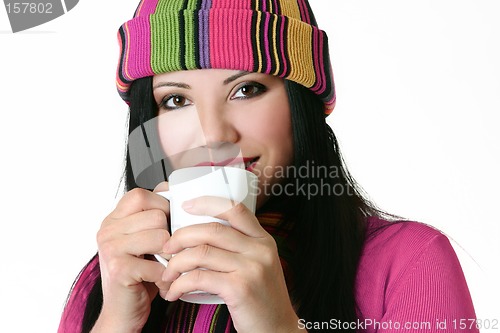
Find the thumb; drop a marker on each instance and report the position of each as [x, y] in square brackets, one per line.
[163, 186]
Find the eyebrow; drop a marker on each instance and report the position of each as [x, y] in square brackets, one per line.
[172, 84]
[234, 77]
[187, 86]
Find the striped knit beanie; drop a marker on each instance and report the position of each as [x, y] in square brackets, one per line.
[276, 37]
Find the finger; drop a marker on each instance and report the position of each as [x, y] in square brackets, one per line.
[143, 242]
[138, 200]
[163, 287]
[132, 270]
[150, 219]
[214, 234]
[150, 271]
[163, 290]
[203, 256]
[208, 281]
[237, 214]
[138, 244]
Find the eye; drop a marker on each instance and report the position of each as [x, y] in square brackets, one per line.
[172, 102]
[249, 90]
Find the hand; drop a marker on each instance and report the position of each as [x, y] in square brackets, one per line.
[242, 266]
[136, 227]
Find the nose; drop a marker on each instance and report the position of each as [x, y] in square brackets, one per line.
[217, 126]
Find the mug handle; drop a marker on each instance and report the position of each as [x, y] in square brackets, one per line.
[167, 195]
[161, 260]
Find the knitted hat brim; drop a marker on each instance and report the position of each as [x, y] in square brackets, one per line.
[236, 39]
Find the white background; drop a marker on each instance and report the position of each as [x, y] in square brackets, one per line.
[417, 117]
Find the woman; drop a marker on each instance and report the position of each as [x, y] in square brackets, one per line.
[318, 256]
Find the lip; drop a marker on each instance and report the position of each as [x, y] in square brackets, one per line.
[248, 162]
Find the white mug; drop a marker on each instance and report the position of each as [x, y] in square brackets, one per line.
[238, 185]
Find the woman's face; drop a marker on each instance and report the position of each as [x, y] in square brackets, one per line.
[221, 117]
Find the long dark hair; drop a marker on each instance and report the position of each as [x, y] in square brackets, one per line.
[328, 231]
[329, 228]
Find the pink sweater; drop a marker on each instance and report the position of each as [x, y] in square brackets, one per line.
[410, 280]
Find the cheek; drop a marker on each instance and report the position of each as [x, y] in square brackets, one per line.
[276, 130]
[278, 137]
[179, 132]
[271, 129]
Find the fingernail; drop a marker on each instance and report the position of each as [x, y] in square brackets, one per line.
[186, 205]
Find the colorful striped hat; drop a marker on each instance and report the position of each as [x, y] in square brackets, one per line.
[276, 37]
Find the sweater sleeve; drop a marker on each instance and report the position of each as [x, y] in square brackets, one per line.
[431, 294]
